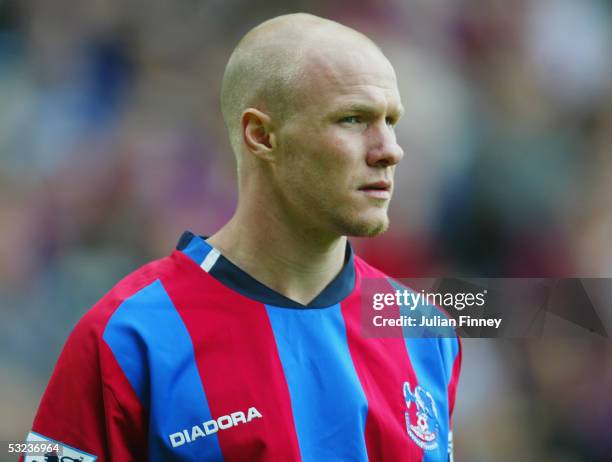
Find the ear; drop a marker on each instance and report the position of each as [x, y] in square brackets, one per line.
[257, 133]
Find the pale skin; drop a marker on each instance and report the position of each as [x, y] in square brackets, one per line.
[322, 174]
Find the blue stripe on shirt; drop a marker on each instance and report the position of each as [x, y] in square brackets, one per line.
[328, 403]
[153, 348]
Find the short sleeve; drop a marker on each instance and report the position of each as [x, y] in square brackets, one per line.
[88, 406]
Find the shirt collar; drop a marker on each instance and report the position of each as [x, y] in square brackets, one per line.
[230, 275]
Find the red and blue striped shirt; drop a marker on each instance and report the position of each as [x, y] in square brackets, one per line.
[191, 359]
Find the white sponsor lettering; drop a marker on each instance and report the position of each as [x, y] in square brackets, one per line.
[210, 427]
[253, 413]
[213, 426]
[177, 439]
[224, 422]
[238, 417]
[196, 432]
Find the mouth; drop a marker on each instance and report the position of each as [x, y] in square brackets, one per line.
[377, 190]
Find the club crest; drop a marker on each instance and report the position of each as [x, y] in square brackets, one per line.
[425, 431]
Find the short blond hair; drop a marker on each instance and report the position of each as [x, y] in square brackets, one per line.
[266, 66]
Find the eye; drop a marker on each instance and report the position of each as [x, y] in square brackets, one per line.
[351, 120]
[390, 121]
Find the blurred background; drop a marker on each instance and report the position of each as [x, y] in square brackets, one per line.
[112, 144]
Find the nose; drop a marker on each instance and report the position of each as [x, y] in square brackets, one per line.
[384, 150]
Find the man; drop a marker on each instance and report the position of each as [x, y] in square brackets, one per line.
[247, 346]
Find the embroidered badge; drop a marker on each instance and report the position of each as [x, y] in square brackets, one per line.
[425, 431]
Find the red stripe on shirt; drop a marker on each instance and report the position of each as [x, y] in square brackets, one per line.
[238, 363]
[382, 366]
[454, 380]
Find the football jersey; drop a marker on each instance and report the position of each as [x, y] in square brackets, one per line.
[190, 358]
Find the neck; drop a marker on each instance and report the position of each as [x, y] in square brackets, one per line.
[295, 262]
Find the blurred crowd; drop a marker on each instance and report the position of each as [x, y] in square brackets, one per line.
[112, 144]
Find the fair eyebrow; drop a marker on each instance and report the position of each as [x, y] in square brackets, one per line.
[367, 108]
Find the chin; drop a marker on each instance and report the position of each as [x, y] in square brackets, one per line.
[366, 228]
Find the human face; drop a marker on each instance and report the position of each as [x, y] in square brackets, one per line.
[339, 148]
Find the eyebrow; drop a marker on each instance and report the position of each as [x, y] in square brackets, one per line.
[367, 108]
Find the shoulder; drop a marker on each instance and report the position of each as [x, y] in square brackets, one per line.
[141, 289]
[111, 340]
[365, 270]
[449, 346]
